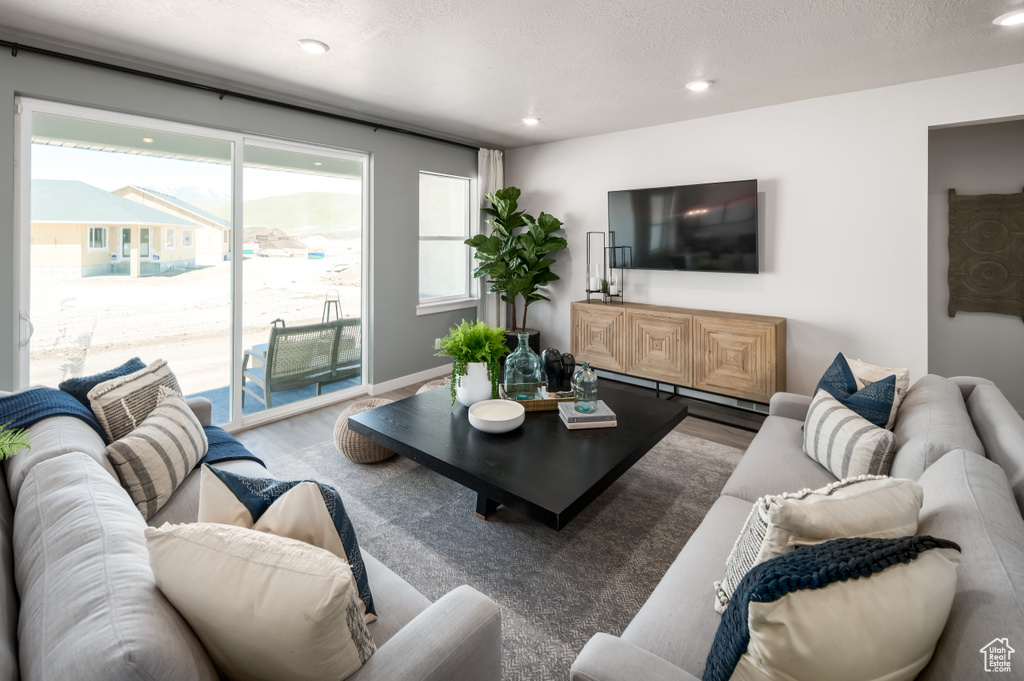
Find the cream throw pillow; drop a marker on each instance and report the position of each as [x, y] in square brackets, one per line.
[266, 608]
[154, 459]
[865, 506]
[122, 404]
[844, 442]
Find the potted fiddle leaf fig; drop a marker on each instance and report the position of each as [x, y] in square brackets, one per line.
[516, 256]
[475, 348]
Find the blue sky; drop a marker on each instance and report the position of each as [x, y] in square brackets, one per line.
[111, 171]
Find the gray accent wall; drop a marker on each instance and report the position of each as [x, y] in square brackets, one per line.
[400, 342]
[974, 159]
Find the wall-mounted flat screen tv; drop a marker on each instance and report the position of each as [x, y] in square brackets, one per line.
[710, 227]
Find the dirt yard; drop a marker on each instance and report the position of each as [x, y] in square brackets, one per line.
[83, 326]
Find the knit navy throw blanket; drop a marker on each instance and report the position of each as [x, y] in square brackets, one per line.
[27, 408]
[808, 567]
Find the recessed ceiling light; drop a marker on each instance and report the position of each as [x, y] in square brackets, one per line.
[147, 140]
[1010, 18]
[698, 85]
[317, 163]
[313, 46]
[531, 120]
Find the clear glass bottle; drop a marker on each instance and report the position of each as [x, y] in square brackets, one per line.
[584, 388]
[524, 372]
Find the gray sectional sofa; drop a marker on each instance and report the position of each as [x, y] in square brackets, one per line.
[964, 444]
[67, 533]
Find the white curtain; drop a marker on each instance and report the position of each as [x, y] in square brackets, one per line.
[491, 169]
[491, 173]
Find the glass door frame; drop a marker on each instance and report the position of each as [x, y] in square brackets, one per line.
[26, 107]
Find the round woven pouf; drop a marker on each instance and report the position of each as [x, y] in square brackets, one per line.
[355, 446]
[437, 383]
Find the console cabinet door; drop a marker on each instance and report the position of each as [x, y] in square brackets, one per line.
[598, 336]
[658, 346]
[734, 357]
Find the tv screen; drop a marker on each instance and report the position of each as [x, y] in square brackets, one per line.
[710, 227]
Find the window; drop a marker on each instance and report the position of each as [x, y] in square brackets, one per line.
[445, 261]
[168, 237]
[186, 238]
[97, 238]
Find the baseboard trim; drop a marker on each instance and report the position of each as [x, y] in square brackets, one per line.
[403, 381]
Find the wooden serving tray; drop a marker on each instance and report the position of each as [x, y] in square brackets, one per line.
[543, 404]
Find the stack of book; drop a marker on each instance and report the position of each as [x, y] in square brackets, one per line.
[602, 417]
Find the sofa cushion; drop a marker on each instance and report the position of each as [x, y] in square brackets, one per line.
[90, 608]
[396, 601]
[844, 442]
[123, 403]
[79, 386]
[155, 458]
[266, 607]
[678, 621]
[50, 438]
[932, 421]
[865, 506]
[774, 463]
[852, 609]
[8, 592]
[967, 499]
[1001, 430]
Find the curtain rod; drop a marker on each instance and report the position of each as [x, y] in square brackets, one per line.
[222, 92]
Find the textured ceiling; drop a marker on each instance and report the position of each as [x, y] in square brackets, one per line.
[472, 69]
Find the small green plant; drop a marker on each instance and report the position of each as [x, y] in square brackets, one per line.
[605, 286]
[12, 441]
[473, 342]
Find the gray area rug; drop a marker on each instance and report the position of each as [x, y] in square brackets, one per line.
[555, 589]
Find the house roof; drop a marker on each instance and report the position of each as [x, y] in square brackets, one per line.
[75, 201]
[184, 205]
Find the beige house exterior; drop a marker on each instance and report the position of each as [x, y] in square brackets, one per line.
[212, 238]
[111, 235]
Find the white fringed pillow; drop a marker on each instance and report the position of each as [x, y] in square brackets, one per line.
[865, 506]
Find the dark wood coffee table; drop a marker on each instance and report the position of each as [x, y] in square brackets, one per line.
[541, 469]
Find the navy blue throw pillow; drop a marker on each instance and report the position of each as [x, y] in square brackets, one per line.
[808, 568]
[873, 402]
[79, 387]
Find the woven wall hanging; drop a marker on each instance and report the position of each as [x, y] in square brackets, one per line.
[986, 253]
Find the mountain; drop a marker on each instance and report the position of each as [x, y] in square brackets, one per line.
[303, 214]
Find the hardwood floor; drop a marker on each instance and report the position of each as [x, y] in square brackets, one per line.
[298, 432]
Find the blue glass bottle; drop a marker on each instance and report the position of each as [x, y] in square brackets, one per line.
[584, 388]
[524, 372]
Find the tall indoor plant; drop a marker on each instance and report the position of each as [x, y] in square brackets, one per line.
[475, 348]
[515, 256]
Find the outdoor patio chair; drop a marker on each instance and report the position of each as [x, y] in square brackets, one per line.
[298, 356]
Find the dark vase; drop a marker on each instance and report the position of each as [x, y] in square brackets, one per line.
[558, 368]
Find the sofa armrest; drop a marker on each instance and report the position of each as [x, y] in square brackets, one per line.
[609, 658]
[790, 405]
[458, 638]
[967, 384]
[202, 408]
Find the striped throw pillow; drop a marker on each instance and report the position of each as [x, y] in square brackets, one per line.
[122, 403]
[844, 442]
[155, 458]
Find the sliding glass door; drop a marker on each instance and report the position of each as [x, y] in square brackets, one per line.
[128, 247]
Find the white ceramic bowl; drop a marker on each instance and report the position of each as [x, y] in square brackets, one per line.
[496, 416]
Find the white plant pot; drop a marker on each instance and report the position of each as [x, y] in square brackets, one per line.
[474, 386]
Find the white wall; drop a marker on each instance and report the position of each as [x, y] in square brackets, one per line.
[976, 159]
[844, 182]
